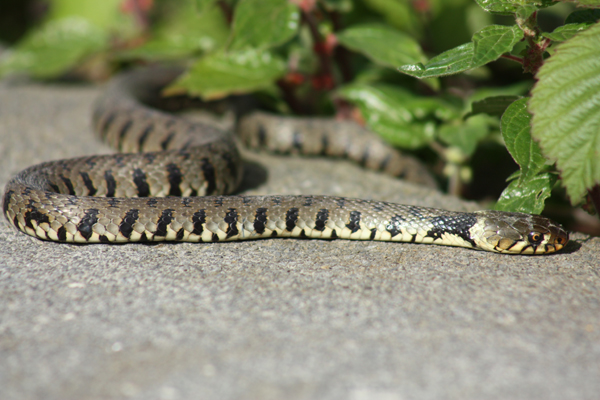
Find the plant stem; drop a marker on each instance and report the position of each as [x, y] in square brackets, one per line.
[341, 54]
[325, 63]
[514, 58]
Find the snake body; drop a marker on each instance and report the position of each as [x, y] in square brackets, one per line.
[172, 180]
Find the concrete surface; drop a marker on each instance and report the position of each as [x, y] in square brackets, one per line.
[281, 319]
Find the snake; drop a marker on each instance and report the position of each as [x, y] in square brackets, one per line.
[174, 179]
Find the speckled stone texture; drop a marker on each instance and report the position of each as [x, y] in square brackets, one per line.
[273, 319]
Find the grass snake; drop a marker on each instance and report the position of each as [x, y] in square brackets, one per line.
[173, 177]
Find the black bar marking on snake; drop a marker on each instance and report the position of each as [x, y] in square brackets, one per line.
[291, 218]
[144, 136]
[62, 234]
[273, 233]
[394, 226]
[334, 234]
[123, 132]
[54, 188]
[107, 123]
[103, 239]
[262, 135]
[373, 233]
[111, 184]
[308, 201]
[199, 218]
[354, 224]
[215, 237]
[365, 157]
[175, 178]
[68, 184]
[180, 234]
[385, 162]
[86, 225]
[87, 181]
[165, 143]
[126, 226]
[152, 202]
[144, 238]
[231, 219]
[260, 219]
[194, 192]
[454, 225]
[297, 141]
[303, 234]
[139, 178]
[324, 143]
[208, 170]
[114, 202]
[321, 220]
[163, 222]
[34, 215]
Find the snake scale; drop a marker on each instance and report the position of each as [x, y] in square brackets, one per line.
[173, 176]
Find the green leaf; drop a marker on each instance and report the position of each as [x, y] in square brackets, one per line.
[261, 24]
[465, 135]
[527, 196]
[393, 113]
[493, 41]
[566, 32]
[55, 48]
[450, 62]
[342, 6]
[184, 32]
[515, 127]
[523, 13]
[398, 13]
[507, 7]
[382, 44]
[203, 5]
[495, 105]
[102, 14]
[220, 74]
[585, 3]
[566, 111]
[583, 16]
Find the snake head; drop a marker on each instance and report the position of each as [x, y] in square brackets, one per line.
[518, 233]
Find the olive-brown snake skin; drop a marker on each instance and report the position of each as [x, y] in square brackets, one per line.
[172, 181]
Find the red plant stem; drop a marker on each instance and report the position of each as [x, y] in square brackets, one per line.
[514, 58]
[290, 98]
[227, 11]
[325, 64]
[341, 54]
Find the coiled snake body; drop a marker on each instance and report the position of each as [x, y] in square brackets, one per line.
[121, 198]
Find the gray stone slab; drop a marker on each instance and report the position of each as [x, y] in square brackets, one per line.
[273, 319]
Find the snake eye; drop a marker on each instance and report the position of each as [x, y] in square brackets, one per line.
[535, 237]
[560, 240]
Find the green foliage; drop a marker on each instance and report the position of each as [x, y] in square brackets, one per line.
[566, 107]
[382, 44]
[336, 54]
[55, 47]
